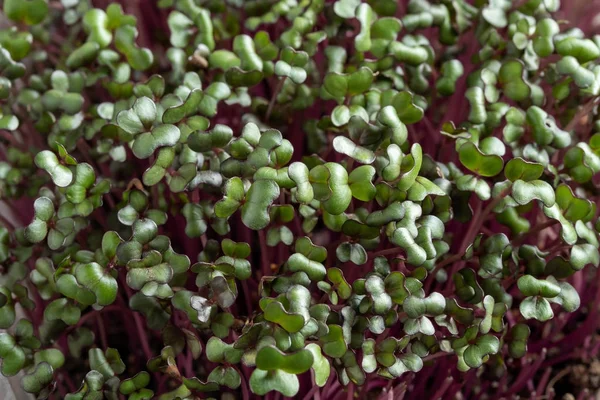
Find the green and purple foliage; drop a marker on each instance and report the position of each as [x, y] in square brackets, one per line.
[321, 199]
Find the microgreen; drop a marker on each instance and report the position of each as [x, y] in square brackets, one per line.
[306, 199]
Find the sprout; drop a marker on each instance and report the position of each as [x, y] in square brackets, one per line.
[369, 192]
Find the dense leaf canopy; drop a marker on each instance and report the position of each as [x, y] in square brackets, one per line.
[278, 195]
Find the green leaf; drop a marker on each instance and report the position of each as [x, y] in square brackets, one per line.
[156, 316]
[134, 387]
[330, 185]
[525, 192]
[270, 358]
[366, 17]
[30, 12]
[99, 281]
[568, 297]
[475, 160]
[530, 286]
[360, 181]
[52, 356]
[61, 175]
[226, 376]
[573, 208]
[260, 196]
[536, 308]
[83, 55]
[413, 55]
[67, 285]
[108, 363]
[299, 173]
[432, 305]
[180, 26]
[451, 71]
[275, 312]
[346, 8]
[38, 379]
[78, 340]
[95, 23]
[568, 232]
[584, 254]
[234, 194]
[342, 114]
[139, 58]
[236, 77]
[333, 344]
[343, 145]
[475, 353]
[13, 356]
[292, 65]
[583, 50]
[353, 252]
[406, 363]
[545, 130]
[245, 48]
[422, 188]
[139, 117]
[520, 169]
[320, 365]
[263, 382]
[471, 183]
[338, 86]
[164, 135]
[512, 79]
[477, 113]
[216, 92]
[62, 309]
[495, 16]
[221, 352]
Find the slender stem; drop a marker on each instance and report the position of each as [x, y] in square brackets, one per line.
[266, 268]
[527, 373]
[15, 212]
[439, 354]
[274, 98]
[440, 392]
[472, 231]
[585, 109]
[61, 387]
[247, 297]
[93, 314]
[474, 228]
[584, 394]
[312, 391]
[387, 252]
[245, 392]
[543, 381]
[558, 248]
[69, 382]
[103, 339]
[85, 151]
[140, 326]
[189, 363]
[11, 139]
[143, 336]
[538, 228]
[6, 223]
